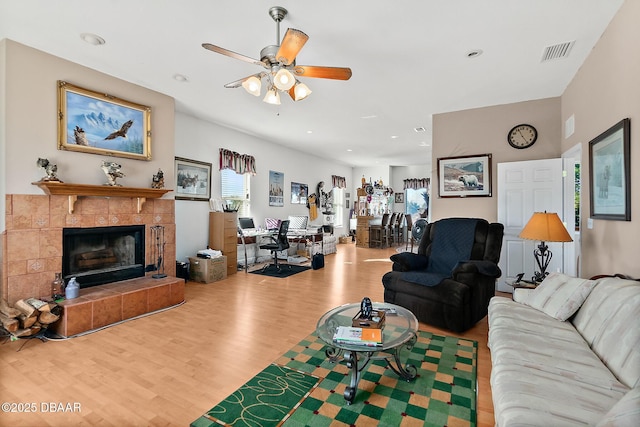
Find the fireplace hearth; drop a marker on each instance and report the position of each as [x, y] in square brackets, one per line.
[99, 255]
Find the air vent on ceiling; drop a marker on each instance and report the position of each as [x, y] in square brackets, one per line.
[557, 51]
[420, 129]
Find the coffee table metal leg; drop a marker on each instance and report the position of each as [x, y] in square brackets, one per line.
[409, 371]
[351, 357]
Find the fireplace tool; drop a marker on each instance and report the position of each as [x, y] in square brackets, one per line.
[157, 250]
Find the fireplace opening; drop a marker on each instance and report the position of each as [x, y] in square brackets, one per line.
[99, 255]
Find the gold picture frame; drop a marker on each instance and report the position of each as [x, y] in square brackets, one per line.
[98, 123]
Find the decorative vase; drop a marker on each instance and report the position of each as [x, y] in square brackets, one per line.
[73, 289]
[56, 287]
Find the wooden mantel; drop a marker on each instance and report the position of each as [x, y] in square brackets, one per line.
[57, 188]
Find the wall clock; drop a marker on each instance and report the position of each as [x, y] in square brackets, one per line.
[522, 136]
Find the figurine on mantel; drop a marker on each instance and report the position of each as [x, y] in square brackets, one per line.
[50, 169]
[112, 171]
[158, 179]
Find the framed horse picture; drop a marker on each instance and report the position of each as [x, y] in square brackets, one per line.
[193, 180]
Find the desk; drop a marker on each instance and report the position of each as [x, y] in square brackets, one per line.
[249, 242]
[302, 236]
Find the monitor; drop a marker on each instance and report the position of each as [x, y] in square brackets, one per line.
[246, 223]
[298, 222]
[272, 224]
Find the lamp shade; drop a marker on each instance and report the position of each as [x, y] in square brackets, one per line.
[545, 227]
[299, 92]
[283, 79]
[252, 85]
[272, 97]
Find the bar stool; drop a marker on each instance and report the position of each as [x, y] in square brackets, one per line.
[391, 229]
[377, 234]
[398, 230]
[409, 222]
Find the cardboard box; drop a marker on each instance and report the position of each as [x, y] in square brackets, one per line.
[207, 270]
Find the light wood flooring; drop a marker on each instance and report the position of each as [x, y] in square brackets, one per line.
[167, 369]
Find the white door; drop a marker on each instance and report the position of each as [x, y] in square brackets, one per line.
[525, 188]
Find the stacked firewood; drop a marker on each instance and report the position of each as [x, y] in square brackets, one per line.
[28, 316]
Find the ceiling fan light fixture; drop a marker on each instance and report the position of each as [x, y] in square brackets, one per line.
[252, 85]
[283, 79]
[299, 92]
[272, 97]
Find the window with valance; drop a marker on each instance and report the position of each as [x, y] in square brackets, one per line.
[239, 163]
[415, 183]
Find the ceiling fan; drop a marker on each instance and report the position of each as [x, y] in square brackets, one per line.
[280, 61]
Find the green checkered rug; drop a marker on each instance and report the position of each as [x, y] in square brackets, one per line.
[304, 388]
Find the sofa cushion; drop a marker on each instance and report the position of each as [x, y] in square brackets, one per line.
[523, 336]
[625, 413]
[560, 296]
[608, 321]
[543, 372]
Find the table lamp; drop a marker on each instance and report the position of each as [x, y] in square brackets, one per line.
[545, 227]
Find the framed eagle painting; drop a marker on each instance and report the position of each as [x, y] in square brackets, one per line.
[98, 123]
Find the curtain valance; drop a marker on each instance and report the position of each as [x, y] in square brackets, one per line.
[338, 181]
[415, 183]
[240, 163]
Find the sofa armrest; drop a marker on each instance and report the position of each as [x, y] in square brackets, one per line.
[485, 268]
[408, 261]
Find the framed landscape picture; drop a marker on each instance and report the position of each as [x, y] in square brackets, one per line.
[464, 176]
[610, 173]
[93, 122]
[193, 179]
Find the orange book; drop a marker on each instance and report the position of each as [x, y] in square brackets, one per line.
[361, 336]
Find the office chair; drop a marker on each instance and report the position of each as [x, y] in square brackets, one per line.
[280, 243]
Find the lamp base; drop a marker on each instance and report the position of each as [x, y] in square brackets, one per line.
[543, 257]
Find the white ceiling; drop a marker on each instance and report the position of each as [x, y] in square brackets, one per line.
[409, 60]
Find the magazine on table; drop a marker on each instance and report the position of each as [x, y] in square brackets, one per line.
[371, 337]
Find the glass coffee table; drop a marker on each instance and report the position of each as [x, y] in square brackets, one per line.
[400, 331]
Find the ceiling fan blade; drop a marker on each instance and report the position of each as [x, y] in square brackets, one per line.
[336, 73]
[231, 54]
[291, 44]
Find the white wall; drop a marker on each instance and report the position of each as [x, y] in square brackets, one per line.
[605, 90]
[30, 88]
[200, 140]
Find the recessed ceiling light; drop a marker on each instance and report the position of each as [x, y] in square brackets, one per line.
[372, 116]
[180, 77]
[309, 131]
[93, 39]
[349, 150]
[424, 144]
[394, 137]
[474, 53]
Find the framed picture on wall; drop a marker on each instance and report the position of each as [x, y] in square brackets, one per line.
[97, 123]
[464, 176]
[193, 179]
[399, 197]
[299, 193]
[610, 173]
[276, 188]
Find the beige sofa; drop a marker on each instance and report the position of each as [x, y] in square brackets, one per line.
[559, 361]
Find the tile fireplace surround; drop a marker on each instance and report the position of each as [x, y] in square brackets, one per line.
[32, 243]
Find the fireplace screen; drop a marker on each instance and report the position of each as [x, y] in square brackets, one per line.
[99, 255]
